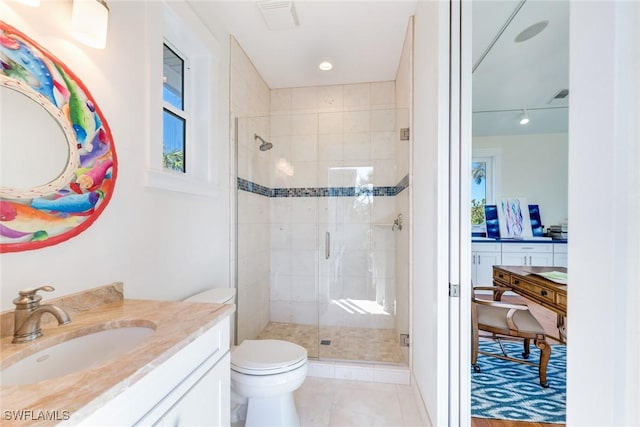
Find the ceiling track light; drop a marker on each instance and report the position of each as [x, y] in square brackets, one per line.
[524, 117]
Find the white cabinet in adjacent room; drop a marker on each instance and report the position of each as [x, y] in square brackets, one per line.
[483, 257]
[532, 254]
[560, 255]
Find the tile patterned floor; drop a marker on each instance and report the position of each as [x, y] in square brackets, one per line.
[323, 402]
[346, 343]
[340, 403]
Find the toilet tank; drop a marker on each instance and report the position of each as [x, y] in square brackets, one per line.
[218, 296]
[214, 295]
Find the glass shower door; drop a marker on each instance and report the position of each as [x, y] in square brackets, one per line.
[356, 288]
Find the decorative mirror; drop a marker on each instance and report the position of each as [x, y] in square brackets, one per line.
[58, 163]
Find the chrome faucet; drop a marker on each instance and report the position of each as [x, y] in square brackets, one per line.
[26, 324]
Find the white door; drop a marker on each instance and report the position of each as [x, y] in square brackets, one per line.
[460, 217]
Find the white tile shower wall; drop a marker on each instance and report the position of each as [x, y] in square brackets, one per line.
[254, 251]
[333, 126]
[250, 103]
[332, 136]
[383, 266]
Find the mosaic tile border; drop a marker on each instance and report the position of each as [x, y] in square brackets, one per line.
[252, 187]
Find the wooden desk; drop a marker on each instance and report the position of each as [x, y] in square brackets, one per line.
[524, 282]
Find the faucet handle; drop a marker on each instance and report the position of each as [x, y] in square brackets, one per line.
[30, 296]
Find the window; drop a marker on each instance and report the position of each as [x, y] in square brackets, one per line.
[482, 184]
[174, 118]
[185, 86]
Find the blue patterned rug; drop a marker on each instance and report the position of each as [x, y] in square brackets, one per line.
[507, 390]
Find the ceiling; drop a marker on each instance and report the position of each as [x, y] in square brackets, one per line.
[363, 39]
[517, 75]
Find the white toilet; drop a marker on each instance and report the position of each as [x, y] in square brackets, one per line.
[264, 374]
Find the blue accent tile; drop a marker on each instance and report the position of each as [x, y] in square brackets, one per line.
[366, 190]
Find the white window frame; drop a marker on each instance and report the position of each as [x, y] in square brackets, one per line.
[491, 157]
[183, 113]
[198, 177]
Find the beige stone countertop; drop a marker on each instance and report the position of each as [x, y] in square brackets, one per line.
[176, 325]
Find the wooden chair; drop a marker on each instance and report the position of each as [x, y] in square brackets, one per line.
[509, 320]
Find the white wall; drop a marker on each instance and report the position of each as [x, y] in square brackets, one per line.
[161, 244]
[532, 166]
[603, 376]
[429, 260]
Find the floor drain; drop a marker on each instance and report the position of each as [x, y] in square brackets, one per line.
[325, 342]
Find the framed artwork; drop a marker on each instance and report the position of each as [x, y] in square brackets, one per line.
[536, 223]
[491, 221]
[513, 218]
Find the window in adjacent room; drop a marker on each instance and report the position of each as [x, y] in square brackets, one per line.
[174, 116]
[481, 190]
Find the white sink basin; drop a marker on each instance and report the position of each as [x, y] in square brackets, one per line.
[74, 355]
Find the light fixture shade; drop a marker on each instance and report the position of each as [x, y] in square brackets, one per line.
[524, 117]
[32, 3]
[89, 20]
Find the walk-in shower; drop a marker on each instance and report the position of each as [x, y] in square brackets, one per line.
[320, 261]
[322, 258]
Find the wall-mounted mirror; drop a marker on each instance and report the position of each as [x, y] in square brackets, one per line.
[58, 163]
[41, 153]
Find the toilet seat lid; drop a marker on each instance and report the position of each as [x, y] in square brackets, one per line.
[265, 357]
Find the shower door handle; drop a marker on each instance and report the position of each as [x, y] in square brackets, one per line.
[327, 245]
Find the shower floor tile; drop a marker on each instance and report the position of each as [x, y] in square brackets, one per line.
[346, 343]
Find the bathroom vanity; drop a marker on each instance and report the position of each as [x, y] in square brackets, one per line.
[178, 374]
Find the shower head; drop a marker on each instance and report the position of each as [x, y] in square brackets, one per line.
[265, 145]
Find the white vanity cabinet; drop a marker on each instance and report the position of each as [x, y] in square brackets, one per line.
[560, 255]
[527, 254]
[190, 387]
[198, 406]
[483, 257]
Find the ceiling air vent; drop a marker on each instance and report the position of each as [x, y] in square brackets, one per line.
[278, 14]
[560, 96]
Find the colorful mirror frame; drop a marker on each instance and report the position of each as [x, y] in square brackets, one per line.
[48, 214]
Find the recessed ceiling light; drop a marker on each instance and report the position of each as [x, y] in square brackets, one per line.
[325, 65]
[532, 31]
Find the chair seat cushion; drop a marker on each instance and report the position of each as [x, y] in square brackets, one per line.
[496, 317]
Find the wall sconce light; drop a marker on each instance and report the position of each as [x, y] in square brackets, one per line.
[524, 117]
[31, 3]
[89, 20]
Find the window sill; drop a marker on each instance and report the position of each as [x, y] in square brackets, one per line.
[478, 228]
[183, 184]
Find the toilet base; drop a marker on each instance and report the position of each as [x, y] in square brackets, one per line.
[278, 411]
